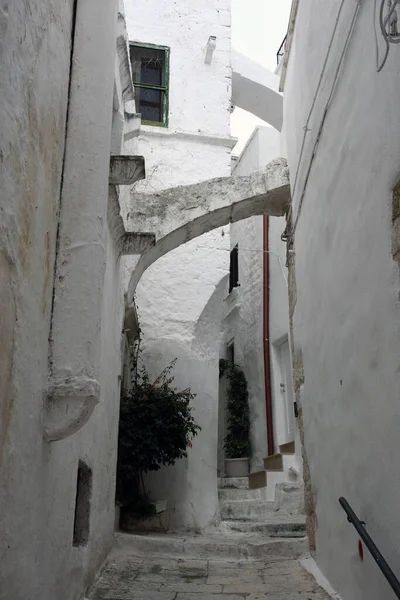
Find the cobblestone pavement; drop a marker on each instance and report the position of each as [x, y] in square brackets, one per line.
[145, 578]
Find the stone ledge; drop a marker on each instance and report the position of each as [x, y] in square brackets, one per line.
[69, 405]
[126, 169]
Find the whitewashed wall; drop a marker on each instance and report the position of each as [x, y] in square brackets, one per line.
[38, 479]
[346, 319]
[245, 324]
[174, 292]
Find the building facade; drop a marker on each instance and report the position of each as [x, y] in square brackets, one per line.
[256, 324]
[341, 128]
[61, 236]
[188, 144]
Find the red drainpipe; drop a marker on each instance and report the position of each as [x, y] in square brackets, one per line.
[267, 368]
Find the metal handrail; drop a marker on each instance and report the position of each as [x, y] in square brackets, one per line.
[281, 50]
[366, 538]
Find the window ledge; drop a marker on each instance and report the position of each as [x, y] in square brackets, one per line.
[202, 138]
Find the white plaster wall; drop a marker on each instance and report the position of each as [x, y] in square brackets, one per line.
[37, 479]
[173, 292]
[190, 487]
[347, 311]
[255, 89]
[31, 141]
[245, 324]
[199, 99]
[67, 570]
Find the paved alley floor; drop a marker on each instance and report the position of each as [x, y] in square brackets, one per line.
[155, 578]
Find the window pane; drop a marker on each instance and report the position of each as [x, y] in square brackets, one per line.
[148, 65]
[151, 73]
[150, 96]
[150, 104]
[151, 113]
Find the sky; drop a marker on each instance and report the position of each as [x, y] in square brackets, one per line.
[258, 28]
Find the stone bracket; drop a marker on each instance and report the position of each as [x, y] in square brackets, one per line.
[69, 405]
[126, 169]
[133, 123]
[137, 242]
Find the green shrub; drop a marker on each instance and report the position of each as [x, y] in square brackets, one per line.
[237, 442]
[156, 428]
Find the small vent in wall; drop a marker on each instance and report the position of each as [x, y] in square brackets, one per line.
[82, 505]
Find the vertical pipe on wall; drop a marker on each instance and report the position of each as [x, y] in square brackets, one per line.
[267, 368]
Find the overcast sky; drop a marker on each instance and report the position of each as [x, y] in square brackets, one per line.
[258, 28]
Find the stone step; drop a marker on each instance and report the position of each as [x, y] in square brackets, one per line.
[287, 448]
[238, 494]
[289, 497]
[258, 479]
[285, 526]
[233, 482]
[245, 509]
[235, 546]
[273, 463]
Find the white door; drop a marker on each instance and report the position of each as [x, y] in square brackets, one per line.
[287, 391]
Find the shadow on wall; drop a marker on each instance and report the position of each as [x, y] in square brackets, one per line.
[190, 486]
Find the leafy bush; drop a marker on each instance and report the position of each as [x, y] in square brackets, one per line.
[156, 428]
[237, 442]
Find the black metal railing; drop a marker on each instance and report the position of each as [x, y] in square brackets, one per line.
[281, 51]
[366, 538]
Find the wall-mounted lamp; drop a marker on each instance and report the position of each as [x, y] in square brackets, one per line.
[211, 45]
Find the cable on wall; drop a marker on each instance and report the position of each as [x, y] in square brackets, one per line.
[321, 126]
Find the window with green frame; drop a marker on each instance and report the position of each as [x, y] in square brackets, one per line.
[150, 73]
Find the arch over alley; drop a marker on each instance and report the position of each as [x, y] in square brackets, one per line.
[178, 215]
[256, 89]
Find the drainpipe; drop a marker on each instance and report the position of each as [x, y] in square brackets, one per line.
[267, 368]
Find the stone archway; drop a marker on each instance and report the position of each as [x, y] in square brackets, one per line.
[178, 215]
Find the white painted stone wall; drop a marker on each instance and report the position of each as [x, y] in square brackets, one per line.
[174, 292]
[245, 324]
[346, 318]
[38, 479]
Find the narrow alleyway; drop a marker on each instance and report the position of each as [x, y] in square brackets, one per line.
[128, 576]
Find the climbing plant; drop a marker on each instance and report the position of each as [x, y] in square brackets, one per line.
[156, 428]
[237, 442]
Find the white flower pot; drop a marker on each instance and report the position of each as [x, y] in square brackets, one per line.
[237, 467]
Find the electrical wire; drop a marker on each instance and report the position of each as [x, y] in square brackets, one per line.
[321, 125]
[306, 128]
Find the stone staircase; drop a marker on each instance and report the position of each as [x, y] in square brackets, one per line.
[251, 528]
[255, 524]
[280, 479]
[247, 511]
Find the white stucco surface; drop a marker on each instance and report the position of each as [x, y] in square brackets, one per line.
[199, 98]
[178, 215]
[39, 479]
[346, 318]
[245, 325]
[256, 90]
[174, 291]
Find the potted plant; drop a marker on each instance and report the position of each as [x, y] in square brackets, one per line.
[237, 442]
[156, 428]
